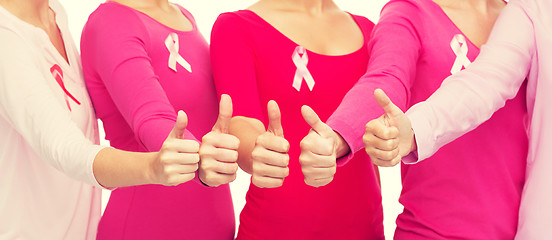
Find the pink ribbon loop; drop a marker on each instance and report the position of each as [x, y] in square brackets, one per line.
[172, 44]
[301, 59]
[57, 73]
[460, 49]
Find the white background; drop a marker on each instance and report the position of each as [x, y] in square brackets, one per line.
[205, 13]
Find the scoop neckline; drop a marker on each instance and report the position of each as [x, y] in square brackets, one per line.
[363, 47]
[194, 27]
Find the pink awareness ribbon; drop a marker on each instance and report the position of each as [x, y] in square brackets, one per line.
[172, 44]
[300, 59]
[57, 73]
[460, 49]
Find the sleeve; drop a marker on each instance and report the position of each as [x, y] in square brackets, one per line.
[394, 50]
[29, 105]
[113, 46]
[471, 96]
[233, 61]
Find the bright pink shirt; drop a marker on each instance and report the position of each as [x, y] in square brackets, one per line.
[136, 94]
[252, 61]
[519, 47]
[471, 188]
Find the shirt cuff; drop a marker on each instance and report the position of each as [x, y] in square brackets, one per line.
[422, 133]
[346, 132]
[94, 150]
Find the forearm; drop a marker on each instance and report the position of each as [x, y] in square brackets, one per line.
[246, 130]
[116, 168]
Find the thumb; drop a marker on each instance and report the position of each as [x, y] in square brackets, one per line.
[274, 119]
[391, 110]
[179, 126]
[225, 114]
[315, 123]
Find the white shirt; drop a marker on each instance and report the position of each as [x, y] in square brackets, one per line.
[47, 186]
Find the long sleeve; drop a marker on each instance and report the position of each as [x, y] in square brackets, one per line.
[116, 50]
[470, 97]
[233, 63]
[395, 47]
[30, 106]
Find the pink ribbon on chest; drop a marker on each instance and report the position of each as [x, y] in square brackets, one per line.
[300, 59]
[172, 44]
[57, 73]
[460, 48]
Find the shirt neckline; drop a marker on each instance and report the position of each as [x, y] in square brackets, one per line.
[363, 47]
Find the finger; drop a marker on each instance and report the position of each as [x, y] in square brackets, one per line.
[265, 170]
[381, 154]
[317, 161]
[273, 143]
[378, 143]
[225, 168]
[270, 157]
[225, 155]
[318, 182]
[385, 163]
[225, 114]
[315, 123]
[181, 169]
[179, 179]
[383, 100]
[181, 145]
[221, 140]
[267, 182]
[274, 119]
[179, 126]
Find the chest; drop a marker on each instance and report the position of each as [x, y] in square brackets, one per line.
[283, 74]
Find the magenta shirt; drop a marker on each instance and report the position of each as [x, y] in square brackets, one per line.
[471, 188]
[136, 94]
[252, 61]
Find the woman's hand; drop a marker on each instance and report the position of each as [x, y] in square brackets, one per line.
[270, 157]
[178, 159]
[219, 150]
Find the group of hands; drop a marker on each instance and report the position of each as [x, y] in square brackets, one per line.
[387, 139]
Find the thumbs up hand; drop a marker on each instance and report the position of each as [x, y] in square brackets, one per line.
[318, 151]
[270, 157]
[178, 158]
[390, 137]
[219, 150]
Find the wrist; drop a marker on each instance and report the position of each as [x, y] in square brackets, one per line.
[149, 169]
[342, 148]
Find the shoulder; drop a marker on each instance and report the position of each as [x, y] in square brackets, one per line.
[234, 22]
[363, 22]
[240, 17]
[405, 7]
[14, 45]
[113, 18]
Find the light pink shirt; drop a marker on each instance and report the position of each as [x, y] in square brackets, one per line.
[519, 47]
[46, 138]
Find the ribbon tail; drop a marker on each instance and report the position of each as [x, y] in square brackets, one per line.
[184, 63]
[297, 80]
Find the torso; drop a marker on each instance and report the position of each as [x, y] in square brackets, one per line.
[293, 210]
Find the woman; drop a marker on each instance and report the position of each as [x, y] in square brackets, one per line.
[415, 45]
[51, 171]
[296, 52]
[143, 60]
[518, 48]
